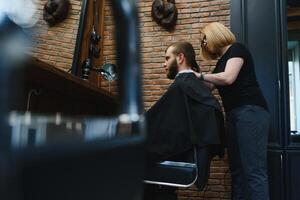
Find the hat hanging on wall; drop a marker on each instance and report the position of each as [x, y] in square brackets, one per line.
[56, 11]
[164, 13]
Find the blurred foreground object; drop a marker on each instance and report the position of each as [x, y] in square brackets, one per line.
[14, 44]
[21, 12]
[77, 166]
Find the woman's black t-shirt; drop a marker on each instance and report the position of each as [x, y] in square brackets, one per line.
[245, 89]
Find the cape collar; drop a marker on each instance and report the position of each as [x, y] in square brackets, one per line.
[184, 71]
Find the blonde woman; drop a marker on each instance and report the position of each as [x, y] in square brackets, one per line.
[246, 110]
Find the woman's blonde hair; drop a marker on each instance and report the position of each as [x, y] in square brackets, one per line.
[214, 37]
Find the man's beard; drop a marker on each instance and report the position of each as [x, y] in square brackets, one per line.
[173, 70]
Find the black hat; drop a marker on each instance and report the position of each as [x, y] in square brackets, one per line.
[164, 13]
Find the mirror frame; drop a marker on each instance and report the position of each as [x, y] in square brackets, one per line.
[79, 38]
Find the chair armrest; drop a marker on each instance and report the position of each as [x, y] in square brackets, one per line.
[171, 173]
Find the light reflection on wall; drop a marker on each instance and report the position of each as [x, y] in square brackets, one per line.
[293, 28]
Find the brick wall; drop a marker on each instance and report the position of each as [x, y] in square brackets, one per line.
[55, 45]
[192, 15]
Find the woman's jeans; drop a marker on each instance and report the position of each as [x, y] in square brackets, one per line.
[248, 129]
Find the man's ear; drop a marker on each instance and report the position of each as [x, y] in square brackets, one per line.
[180, 58]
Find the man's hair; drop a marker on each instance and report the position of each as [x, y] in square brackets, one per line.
[188, 51]
[215, 36]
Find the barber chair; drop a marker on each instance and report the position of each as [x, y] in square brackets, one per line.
[73, 168]
[195, 170]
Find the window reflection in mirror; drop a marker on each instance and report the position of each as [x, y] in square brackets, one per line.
[293, 27]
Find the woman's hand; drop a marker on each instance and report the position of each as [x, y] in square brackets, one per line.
[200, 75]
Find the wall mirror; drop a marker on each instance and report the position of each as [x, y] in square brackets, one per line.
[89, 42]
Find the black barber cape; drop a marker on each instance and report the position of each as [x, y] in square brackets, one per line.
[186, 115]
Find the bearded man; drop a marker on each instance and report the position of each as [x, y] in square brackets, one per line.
[187, 115]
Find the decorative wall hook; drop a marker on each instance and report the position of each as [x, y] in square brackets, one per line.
[164, 13]
[56, 11]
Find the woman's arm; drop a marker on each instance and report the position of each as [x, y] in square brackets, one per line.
[232, 69]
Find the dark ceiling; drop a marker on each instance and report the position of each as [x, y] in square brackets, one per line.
[294, 3]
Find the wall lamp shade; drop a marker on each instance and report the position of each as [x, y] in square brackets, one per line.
[109, 72]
